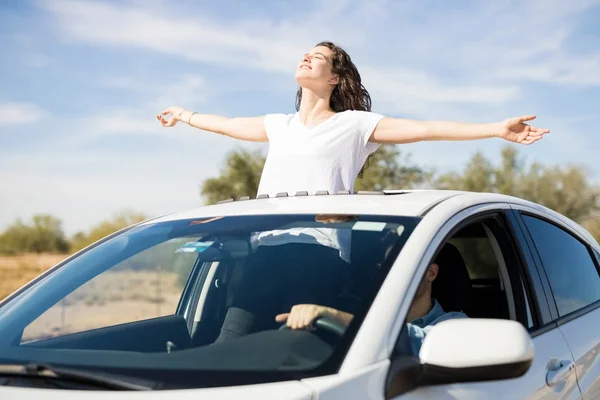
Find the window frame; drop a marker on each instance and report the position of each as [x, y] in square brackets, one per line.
[539, 288]
[529, 279]
[529, 275]
[521, 279]
[596, 254]
[557, 319]
[525, 278]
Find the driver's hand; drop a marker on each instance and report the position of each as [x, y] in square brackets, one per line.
[302, 316]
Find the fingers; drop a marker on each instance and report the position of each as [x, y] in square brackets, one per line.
[531, 135]
[539, 131]
[531, 139]
[297, 318]
[164, 122]
[301, 316]
[523, 135]
[527, 118]
[281, 318]
[536, 132]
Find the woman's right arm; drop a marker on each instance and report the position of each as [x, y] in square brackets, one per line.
[251, 129]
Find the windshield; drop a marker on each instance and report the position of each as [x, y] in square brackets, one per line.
[191, 301]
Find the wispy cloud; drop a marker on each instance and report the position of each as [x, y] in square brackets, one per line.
[516, 41]
[139, 120]
[579, 71]
[104, 69]
[14, 113]
[417, 93]
[264, 45]
[252, 43]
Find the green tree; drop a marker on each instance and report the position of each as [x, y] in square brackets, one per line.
[43, 235]
[478, 176]
[14, 239]
[240, 177]
[105, 228]
[592, 224]
[48, 235]
[565, 189]
[387, 169]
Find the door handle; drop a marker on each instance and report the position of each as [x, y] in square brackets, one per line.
[559, 371]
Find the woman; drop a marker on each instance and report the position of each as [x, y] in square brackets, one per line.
[323, 146]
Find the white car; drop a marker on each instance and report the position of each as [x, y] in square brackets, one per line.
[136, 315]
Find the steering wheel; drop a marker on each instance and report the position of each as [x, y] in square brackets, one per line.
[324, 324]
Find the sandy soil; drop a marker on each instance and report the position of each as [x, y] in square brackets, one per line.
[16, 271]
[110, 299]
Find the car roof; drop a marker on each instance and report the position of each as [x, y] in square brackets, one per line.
[386, 202]
[407, 203]
[411, 203]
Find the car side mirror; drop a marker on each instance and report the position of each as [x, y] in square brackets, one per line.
[465, 350]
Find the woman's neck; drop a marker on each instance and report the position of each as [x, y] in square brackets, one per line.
[314, 108]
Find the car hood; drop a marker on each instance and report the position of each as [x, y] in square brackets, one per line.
[292, 390]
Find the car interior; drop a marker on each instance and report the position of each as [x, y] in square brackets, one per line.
[474, 276]
[368, 254]
[210, 302]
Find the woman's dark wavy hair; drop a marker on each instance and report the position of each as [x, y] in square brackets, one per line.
[349, 93]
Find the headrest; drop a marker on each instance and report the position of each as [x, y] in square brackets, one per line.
[452, 286]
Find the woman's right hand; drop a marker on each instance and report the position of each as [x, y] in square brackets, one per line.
[173, 116]
[251, 129]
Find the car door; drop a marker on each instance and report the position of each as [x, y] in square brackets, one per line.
[571, 271]
[546, 378]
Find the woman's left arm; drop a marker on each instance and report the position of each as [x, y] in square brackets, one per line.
[398, 131]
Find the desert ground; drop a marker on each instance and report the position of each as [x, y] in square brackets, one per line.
[109, 299]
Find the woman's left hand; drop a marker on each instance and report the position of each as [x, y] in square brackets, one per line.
[517, 131]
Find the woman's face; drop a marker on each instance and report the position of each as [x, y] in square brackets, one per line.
[314, 70]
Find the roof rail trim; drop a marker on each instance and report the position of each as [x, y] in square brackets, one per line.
[304, 193]
[225, 201]
[431, 206]
[371, 192]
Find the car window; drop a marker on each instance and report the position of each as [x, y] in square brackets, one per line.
[478, 255]
[220, 286]
[498, 286]
[572, 273]
[146, 285]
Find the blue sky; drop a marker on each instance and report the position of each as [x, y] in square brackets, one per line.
[81, 82]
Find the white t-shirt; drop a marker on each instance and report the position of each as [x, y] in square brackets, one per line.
[328, 156]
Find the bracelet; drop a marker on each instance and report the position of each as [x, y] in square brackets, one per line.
[190, 118]
[181, 113]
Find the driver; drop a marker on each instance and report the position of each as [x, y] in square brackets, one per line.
[424, 313]
[293, 270]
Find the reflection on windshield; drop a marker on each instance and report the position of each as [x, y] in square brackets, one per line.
[206, 292]
[139, 288]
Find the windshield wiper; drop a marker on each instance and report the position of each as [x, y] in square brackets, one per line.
[105, 381]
